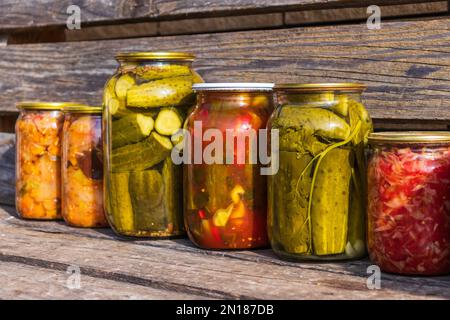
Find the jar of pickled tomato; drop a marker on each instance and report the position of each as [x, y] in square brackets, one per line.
[409, 202]
[225, 195]
[38, 158]
[82, 167]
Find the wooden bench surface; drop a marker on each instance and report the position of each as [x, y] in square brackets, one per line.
[35, 256]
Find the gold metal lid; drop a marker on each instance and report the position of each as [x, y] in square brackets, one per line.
[40, 105]
[83, 109]
[156, 55]
[405, 137]
[313, 87]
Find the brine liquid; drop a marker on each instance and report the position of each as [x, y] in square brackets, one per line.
[225, 206]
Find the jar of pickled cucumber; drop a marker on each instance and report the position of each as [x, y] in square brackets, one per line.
[225, 191]
[82, 167]
[409, 202]
[145, 104]
[38, 160]
[317, 197]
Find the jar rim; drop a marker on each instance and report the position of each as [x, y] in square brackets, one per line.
[42, 105]
[314, 87]
[83, 109]
[154, 55]
[408, 137]
[233, 86]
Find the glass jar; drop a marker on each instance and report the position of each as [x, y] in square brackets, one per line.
[409, 202]
[38, 158]
[317, 197]
[225, 193]
[82, 167]
[146, 102]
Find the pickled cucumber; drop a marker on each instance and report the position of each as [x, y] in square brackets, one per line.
[168, 92]
[291, 226]
[147, 191]
[341, 106]
[172, 176]
[168, 122]
[149, 73]
[131, 129]
[356, 223]
[123, 84]
[115, 107]
[120, 202]
[321, 121]
[145, 154]
[358, 112]
[109, 92]
[330, 202]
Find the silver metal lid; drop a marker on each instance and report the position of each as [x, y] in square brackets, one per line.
[233, 86]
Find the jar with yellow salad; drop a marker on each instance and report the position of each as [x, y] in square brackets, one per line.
[38, 158]
[145, 103]
[317, 198]
[82, 167]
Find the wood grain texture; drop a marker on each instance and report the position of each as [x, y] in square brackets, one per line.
[22, 281]
[208, 23]
[360, 13]
[41, 13]
[7, 168]
[178, 267]
[405, 64]
[8, 122]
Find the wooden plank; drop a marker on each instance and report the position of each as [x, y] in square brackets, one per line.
[8, 122]
[126, 30]
[21, 281]
[7, 168]
[175, 265]
[209, 25]
[360, 13]
[50, 13]
[405, 64]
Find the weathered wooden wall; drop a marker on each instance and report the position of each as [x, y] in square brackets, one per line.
[406, 64]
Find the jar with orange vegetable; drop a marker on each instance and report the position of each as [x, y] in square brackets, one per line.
[82, 167]
[38, 158]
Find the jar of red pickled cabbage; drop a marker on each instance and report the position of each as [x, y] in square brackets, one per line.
[409, 202]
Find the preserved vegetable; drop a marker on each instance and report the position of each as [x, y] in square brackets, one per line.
[82, 170]
[146, 103]
[38, 188]
[225, 202]
[316, 200]
[409, 202]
